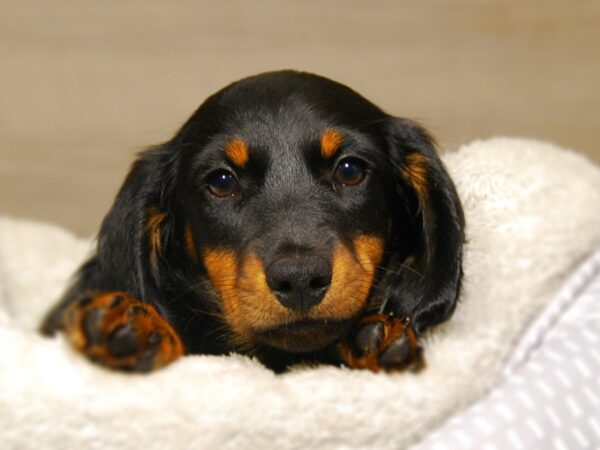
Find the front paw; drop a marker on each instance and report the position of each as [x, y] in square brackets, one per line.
[383, 342]
[120, 332]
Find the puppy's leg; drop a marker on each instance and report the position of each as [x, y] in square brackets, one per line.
[383, 342]
[117, 331]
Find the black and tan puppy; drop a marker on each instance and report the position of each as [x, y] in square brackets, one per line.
[289, 219]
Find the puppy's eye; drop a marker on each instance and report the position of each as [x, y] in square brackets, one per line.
[222, 183]
[350, 172]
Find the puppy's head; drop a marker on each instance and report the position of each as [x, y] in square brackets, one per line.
[289, 198]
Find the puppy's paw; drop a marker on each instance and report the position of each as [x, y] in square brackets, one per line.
[383, 342]
[120, 332]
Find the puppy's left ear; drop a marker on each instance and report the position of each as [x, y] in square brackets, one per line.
[428, 232]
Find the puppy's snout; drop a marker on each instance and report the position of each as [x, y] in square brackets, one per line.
[299, 282]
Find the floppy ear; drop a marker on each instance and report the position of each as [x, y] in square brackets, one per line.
[137, 231]
[134, 235]
[428, 232]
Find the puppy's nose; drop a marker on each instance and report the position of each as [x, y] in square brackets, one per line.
[299, 282]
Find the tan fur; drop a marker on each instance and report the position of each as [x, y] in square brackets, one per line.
[331, 141]
[258, 305]
[237, 152]
[221, 265]
[190, 245]
[353, 273]
[416, 173]
[153, 224]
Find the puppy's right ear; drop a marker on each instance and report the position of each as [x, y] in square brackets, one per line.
[136, 230]
[132, 238]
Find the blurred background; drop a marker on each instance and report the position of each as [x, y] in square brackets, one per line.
[85, 85]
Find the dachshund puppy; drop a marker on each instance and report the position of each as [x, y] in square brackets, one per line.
[289, 219]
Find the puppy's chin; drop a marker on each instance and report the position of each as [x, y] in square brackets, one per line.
[303, 336]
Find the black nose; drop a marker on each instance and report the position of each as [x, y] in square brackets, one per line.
[299, 282]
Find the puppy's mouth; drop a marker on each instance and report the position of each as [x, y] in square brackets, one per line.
[303, 335]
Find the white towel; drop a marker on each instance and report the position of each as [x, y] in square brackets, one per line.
[533, 213]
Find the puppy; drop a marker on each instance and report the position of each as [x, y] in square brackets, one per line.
[289, 219]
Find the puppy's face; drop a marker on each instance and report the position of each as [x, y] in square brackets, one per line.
[285, 187]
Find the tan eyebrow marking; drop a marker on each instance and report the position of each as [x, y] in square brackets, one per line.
[237, 152]
[331, 141]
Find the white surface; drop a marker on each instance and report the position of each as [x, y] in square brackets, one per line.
[532, 217]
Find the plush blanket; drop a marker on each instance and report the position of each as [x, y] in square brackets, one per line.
[532, 215]
[548, 396]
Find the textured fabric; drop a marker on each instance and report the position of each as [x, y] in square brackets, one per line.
[549, 394]
[530, 224]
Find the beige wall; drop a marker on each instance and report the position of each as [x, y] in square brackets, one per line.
[84, 85]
